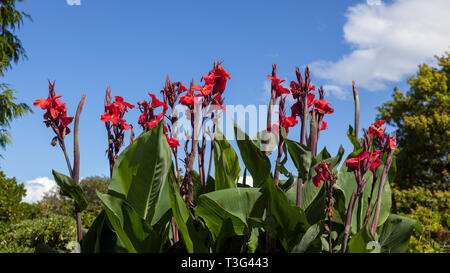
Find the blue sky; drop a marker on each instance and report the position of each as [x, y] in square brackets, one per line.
[133, 45]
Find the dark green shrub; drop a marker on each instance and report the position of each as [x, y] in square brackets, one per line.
[55, 231]
[432, 209]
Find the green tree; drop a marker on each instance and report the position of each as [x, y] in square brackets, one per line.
[11, 207]
[11, 51]
[54, 202]
[423, 133]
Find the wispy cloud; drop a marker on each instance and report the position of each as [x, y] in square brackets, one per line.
[36, 189]
[388, 41]
[336, 91]
[73, 2]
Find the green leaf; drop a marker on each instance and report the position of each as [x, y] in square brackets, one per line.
[301, 156]
[99, 238]
[315, 212]
[361, 242]
[180, 212]
[255, 160]
[310, 235]
[143, 171]
[71, 189]
[396, 233]
[287, 220]
[226, 162]
[235, 204]
[134, 231]
[266, 141]
[352, 138]
[191, 238]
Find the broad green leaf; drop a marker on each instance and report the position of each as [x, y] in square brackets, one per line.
[315, 212]
[135, 232]
[396, 233]
[255, 160]
[361, 242]
[71, 189]
[301, 156]
[287, 220]
[266, 141]
[235, 204]
[99, 238]
[180, 212]
[226, 162]
[191, 238]
[310, 235]
[143, 170]
[309, 190]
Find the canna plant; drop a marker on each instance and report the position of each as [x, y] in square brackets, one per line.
[328, 204]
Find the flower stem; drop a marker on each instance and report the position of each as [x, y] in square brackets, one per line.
[348, 222]
[380, 190]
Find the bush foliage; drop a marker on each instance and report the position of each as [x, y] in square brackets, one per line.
[55, 231]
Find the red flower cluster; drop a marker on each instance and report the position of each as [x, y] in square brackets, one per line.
[376, 131]
[322, 173]
[322, 107]
[364, 160]
[115, 111]
[147, 119]
[211, 91]
[297, 89]
[287, 122]
[56, 115]
[279, 89]
[298, 105]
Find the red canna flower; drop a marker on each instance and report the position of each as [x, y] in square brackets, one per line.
[56, 115]
[187, 100]
[115, 111]
[147, 119]
[206, 90]
[217, 78]
[323, 107]
[375, 130]
[157, 103]
[287, 122]
[362, 160]
[173, 142]
[323, 126]
[279, 90]
[322, 173]
[391, 142]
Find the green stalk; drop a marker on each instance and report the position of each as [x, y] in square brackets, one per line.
[356, 98]
[76, 166]
[380, 190]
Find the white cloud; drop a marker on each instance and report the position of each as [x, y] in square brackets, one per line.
[389, 41]
[73, 2]
[336, 91]
[374, 2]
[36, 189]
